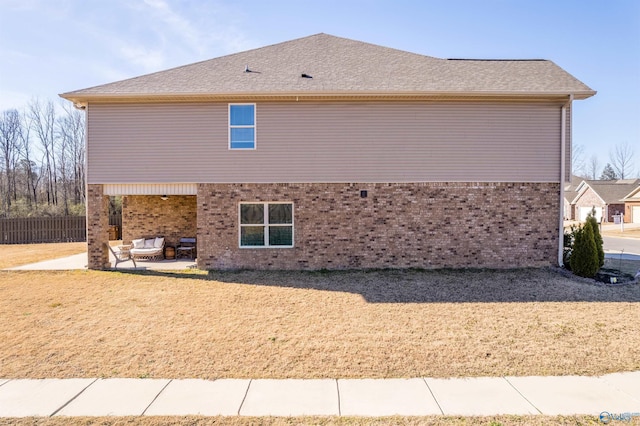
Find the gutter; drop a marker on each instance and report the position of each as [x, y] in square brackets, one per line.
[81, 98]
[563, 156]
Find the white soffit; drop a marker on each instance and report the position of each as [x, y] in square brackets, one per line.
[150, 189]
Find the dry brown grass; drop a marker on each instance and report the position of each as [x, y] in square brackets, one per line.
[329, 421]
[313, 325]
[21, 254]
[627, 233]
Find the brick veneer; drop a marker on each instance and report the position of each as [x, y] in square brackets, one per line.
[149, 216]
[97, 227]
[428, 225]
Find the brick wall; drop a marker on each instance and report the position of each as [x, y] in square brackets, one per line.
[149, 216]
[97, 227]
[426, 225]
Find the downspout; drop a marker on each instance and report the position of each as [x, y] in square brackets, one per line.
[563, 156]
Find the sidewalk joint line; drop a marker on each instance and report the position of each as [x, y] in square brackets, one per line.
[72, 399]
[424, 379]
[7, 381]
[245, 396]
[525, 398]
[339, 405]
[156, 397]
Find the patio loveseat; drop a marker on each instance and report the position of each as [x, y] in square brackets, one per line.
[148, 248]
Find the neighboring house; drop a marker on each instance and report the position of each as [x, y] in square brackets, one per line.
[632, 206]
[570, 193]
[324, 152]
[603, 196]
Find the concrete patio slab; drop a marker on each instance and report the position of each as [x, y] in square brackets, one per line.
[79, 261]
[478, 396]
[568, 395]
[200, 397]
[386, 397]
[291, 397]
[115, 397]
[38, 397]
[628, 383]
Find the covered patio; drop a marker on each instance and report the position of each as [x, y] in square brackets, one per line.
[148, 211]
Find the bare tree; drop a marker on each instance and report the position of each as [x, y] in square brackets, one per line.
[10, 128]
[28, 167]
[577, 160]
[593, 165]
[622, 160]
[43, 122]
[72, 153]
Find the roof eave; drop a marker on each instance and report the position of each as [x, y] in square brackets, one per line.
[629, 196]
[81, 99]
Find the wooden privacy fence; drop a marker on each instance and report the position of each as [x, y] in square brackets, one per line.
[51, 229]
[43, 229]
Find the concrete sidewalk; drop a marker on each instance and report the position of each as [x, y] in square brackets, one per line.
[612, 394]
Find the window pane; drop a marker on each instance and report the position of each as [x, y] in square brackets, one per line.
[251, 214]
[280, 235]
[242, 138]
[252, 235]
[280, 213]
[241, 115]
[242, 145]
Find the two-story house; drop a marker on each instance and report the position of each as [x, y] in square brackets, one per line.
[324, 152]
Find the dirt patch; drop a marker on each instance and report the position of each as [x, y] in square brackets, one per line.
[314, 324]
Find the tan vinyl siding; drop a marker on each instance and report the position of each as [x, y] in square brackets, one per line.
[568, 172]
[327, 142]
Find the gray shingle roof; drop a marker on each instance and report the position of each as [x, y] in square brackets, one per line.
[342, 66]
[613, 191]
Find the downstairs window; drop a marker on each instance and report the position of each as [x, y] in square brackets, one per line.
[266, 225]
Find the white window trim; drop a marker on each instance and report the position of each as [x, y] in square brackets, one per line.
[254, 127]
[266, 224]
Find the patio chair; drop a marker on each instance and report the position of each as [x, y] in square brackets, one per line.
[122, 254]
[186, 247]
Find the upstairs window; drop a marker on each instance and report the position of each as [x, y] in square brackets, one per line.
[242, 126]
[266, 225]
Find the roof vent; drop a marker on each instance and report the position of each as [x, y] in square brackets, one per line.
[304, 75]
[246, 68]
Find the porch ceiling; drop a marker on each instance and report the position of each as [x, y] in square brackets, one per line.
[150, 189]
